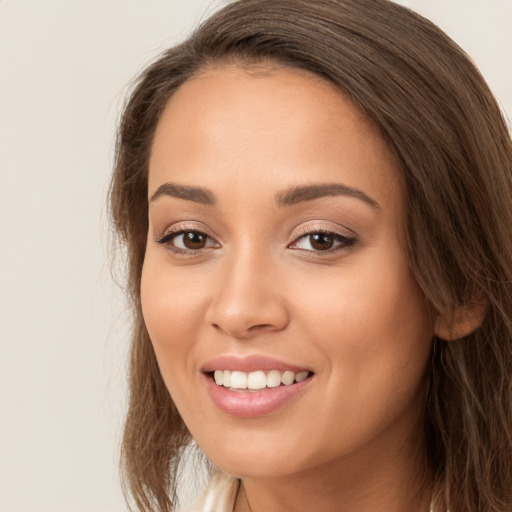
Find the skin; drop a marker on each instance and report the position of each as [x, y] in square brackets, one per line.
[353, 315]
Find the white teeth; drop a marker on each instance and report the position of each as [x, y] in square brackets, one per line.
[257, 380]
[238, 380]
[301, 376]
[273, 379]
[219, 377]
[288, 378]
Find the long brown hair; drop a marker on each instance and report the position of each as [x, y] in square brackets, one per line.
[436, 112]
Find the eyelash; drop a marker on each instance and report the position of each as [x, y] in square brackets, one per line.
[169, 237]
[344, 242]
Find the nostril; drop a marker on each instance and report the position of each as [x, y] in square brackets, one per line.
[241, 313]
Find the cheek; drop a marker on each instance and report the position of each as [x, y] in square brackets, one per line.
[362, 300]
[173, 311]
[372, 325]
[375, 337]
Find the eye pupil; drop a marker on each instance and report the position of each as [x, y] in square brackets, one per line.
[321, 241]
[194, 240]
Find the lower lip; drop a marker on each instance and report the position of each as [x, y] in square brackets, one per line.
[251, 404]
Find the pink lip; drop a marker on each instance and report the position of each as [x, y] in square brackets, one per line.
[251, 404]
[249, 364]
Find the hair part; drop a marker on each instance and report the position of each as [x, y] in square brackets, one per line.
[437, 114]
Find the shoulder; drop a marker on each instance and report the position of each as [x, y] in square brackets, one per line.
[219, 496]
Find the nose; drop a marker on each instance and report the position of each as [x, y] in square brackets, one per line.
[249, 299]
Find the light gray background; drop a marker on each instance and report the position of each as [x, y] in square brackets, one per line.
[64, 65]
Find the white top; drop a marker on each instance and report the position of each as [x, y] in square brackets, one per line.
[220, 495]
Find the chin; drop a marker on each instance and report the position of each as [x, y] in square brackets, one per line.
[253, 456]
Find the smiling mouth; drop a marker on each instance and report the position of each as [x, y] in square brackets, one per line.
[257, 380]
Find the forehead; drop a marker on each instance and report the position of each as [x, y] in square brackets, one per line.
[284, 126]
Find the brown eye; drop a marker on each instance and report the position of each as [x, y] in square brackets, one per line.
[321, 241]
[187, 241]
[193, 240]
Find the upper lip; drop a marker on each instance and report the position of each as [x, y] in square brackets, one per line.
[250, 364]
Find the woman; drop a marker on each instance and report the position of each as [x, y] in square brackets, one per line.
[316, 203]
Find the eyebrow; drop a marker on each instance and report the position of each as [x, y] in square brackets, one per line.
[315, 191]
[287, 197]
[196, 194]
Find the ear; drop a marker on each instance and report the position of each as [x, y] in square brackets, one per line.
[461, 322]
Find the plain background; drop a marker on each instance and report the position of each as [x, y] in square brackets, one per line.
[64, 67]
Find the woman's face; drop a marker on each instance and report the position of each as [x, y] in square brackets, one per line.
[274, 251]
